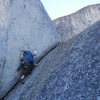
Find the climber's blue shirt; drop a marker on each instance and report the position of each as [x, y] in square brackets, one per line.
[27, 56]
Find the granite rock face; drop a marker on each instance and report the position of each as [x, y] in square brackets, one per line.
[71, 25]
[24, 24]
[69, 72]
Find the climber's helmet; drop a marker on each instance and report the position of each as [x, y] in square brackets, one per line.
[34, 53]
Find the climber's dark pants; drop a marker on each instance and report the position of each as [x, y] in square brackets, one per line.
[27, 68]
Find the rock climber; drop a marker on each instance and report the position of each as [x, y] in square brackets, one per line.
[27, 62]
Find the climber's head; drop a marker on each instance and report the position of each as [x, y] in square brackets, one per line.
[34, 53]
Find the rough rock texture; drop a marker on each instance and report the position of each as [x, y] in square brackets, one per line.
[69, 72]
[71, 25]
[24, 24]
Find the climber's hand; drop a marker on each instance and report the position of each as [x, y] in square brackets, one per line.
[36, 64]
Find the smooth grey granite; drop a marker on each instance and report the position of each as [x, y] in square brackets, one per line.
[24, 24]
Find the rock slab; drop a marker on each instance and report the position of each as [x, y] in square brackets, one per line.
[69, 72]
[24, 24]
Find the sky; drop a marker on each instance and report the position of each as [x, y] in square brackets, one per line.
[59, 8]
